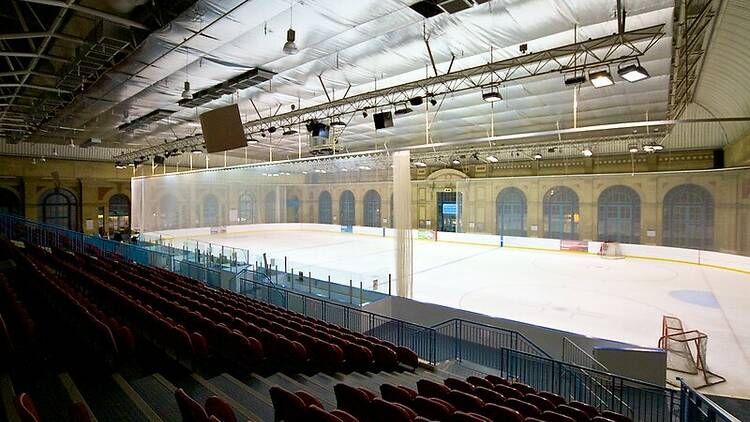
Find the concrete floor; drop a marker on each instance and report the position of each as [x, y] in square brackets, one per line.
[621, 300]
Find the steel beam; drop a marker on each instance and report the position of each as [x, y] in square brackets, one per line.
[597, 52]
[24, 35]
[91, 12]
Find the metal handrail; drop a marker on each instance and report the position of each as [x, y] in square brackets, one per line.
[691, 402]
[520, 335]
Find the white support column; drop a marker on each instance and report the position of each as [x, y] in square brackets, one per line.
[402, 223]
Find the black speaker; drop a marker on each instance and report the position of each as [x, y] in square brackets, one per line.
[383, 120]
[719, 158]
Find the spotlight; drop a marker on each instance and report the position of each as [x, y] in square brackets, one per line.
[186, 95]
[290, 47]
[416, 101]
[250, 140]
[364, 113]
[119, 165]
[575, 79]
[337, 123]
[491, 94]
[537, 156]
[456, 161]
[404, 110]
[587, 152]
[632, 72]
[492, 159]
[419, 163]
[633, 148]
[272, 129]
[289, 131]
[433, 102]
[196, 150]
[601, 78]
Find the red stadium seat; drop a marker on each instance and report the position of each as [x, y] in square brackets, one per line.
[468, 417]
[190, 409]
[479, 382]
[501, 413]
[508, 392]
[429, 388]
[392, 412]
[26, 408]
[576, 414]
[353, 400]
[495, 380]
[523, 388]
[431, 408]
[385, 358]
[460, 385]
[556, 399]
[552, 416]
[396, 394]
[528, 410]
[465, 402]
[540, 402]
[617, 417]
[217, 407]
[407, 357]
[79, 413]
[287, 406]
[489, 396]
[588, 409]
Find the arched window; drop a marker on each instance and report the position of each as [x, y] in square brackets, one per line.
[292, 209]
[59, 207]
[372, 209]
[325, 213]
[210, 211]
[169, 212]
[511, 212]
[346, 208]
[619, 215]
[119, 212]
[561, 213]
[9, 203]
[689, 217]
[246, 208]
[270, 208]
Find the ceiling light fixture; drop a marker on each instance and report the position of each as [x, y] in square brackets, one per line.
[537, 156]
[456, 161]
[491, 94]
[119, 165]
[337, 123]
[420, 163]
[601, 78]
[632, 72]
[186, 95]
[196, 150]
[587, 152]
[492, 159]
[633, 148]
[404, 110]
[250, 140]
[290, 47]
[289, 131]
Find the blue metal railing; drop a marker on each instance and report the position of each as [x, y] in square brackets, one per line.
[509, 352]
[695, 407]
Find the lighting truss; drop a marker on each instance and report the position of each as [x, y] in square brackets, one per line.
[603, 51]
[695, 20]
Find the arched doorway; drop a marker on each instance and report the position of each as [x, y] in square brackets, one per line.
[561, 213]
[619, 215]
[270, 208]
[119, 212]
[246, 208]
[210, 211]
[59, 207]
[688, 217]
[169, 212]
[325, 212]
[511, 212]
[292, 209]
[9, 203]
[346, 208]
[372, 209]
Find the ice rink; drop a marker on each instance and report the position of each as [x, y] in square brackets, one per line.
[620, 300]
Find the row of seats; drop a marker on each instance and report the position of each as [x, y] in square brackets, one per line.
[472, 400]
[96, 333]
[227, 317]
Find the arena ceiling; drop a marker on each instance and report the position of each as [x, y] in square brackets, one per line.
[88, 69]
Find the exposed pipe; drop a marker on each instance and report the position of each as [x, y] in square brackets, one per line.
[24, 35]
[33, 56]
[39, 87]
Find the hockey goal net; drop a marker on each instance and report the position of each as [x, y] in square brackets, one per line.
[686, 353]
[610, 250]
